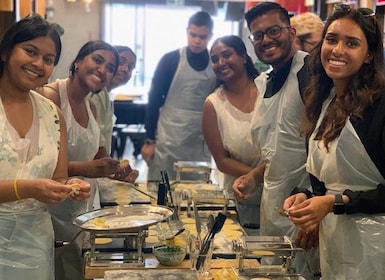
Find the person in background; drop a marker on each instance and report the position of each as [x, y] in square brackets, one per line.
[226, 120]
[345, 125]
[33, 161]
[308, 28]
[276, 129]
[91, 70]
[181, 82]
[103, 100]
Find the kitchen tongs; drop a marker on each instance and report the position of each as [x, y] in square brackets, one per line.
[217, 226]
[166, 183]
[175, 224]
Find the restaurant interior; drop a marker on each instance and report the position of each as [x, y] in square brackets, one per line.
[126, 251]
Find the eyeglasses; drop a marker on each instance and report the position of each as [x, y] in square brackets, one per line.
[364, 12]
[272, 32]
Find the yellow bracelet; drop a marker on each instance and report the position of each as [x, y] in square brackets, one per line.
[15, 190]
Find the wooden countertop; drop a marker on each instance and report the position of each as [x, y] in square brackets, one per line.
[92, 272]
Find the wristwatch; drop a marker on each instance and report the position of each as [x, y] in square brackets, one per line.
[149, 141]
[339, 205]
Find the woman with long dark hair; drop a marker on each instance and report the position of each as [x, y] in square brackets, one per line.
[227, 117]
[345, 128]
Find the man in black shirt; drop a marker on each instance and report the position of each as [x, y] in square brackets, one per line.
[182, 81]
[276, 126]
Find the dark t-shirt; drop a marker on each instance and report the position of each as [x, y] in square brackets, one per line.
[161, 82]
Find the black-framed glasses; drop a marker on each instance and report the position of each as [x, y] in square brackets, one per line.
[272, 32]
[364, 12]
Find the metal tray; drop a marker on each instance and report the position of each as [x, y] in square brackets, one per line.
[123, 218]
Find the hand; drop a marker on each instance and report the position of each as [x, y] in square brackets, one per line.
[147, 152]
[44, 190]
[294, 200]
[308, 214]
[80, 189]
[131, 178]
[307, 240]
[123, 171]
[243, 186]
[103, 167]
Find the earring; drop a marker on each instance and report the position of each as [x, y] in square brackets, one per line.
[76, 68]
[368, 60]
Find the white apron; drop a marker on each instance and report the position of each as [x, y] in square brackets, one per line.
[179, 133]
[104, 116]
[276, 130]
[83, 144]
[26, 233]
[351, 246]
[234, 127]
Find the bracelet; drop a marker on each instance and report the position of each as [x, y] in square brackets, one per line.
[15, 190]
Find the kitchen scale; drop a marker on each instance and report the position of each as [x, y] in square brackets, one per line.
[270, 247]
[127, 226]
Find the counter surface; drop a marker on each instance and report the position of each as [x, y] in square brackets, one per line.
[92, 272]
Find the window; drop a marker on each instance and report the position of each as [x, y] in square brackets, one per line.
[153, 30]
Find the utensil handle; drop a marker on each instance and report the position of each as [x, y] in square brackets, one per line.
[161, 194]
[203, 252]
[166, 182]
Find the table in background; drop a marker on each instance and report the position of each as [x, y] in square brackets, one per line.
[130, 116]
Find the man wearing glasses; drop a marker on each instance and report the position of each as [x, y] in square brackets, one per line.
[276, 128]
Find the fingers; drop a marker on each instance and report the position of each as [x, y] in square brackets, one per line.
[79, 189]
[132, 176]
[289, 202]
[242, 188]
[58, 195]
[307, 239]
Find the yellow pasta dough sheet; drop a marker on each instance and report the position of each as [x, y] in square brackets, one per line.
[103, 240]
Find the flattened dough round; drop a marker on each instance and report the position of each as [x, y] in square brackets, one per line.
[103, 240]
[263, 253]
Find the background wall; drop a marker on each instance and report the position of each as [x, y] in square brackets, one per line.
[80, 25]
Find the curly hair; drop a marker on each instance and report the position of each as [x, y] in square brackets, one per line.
[362, 87]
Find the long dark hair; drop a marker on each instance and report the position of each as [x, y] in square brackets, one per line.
[89, 48]
[239, 47]
[362, 88]
[27, 29]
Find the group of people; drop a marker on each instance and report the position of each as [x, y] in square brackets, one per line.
[54, 144]
[306, 136]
